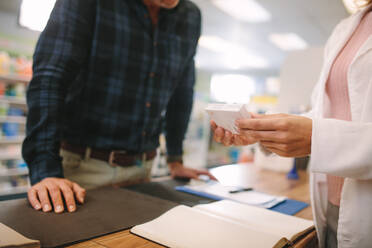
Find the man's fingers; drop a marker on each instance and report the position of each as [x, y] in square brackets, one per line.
[211, 176]
[56, 197]
[79, 192]
[207, 173]
[193, 174]
[68, 194]
[32, 198]
[42, 193]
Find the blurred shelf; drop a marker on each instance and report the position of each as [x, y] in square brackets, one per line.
[14, 175]
[12, 140]
[13, 100]
[15, 78]
[14, 190]
[13, 119]
[10, 157]
[14, 172]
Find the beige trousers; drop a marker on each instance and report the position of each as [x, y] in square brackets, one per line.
[92, 173]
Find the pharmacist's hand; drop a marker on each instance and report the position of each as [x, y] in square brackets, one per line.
[285, 135]
[54, 188]
[179, 171]
[227, 138]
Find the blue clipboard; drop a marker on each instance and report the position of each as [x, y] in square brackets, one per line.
[288, 206]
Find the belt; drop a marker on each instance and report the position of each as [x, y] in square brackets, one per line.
[113, 157]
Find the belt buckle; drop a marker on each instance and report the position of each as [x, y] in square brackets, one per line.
[112, 157]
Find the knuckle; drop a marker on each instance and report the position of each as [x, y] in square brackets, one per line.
[255, 135]
[47, 180]
[65, 189]
[40, 188]
[286, 136]
[53, 190]
[65, 181]
[282, 124]
[255, 124]
[286, 147]
[30, 195]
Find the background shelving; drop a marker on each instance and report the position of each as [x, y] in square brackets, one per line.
[15, 78]
[13, 100]
[14, 190]
[12, 140]
[13, 171]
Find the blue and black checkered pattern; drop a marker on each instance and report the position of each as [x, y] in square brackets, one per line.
[105, 77]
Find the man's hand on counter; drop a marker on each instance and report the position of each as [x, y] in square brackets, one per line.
[40, 194]
[178, 170]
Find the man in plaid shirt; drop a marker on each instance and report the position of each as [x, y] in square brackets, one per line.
[108, 77]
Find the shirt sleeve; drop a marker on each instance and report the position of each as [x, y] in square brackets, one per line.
[180, 105]
[60, 52]
[178, 112]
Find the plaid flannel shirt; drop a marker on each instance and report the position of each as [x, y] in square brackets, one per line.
[105, 77]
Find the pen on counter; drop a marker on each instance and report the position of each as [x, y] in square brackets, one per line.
[240, 190]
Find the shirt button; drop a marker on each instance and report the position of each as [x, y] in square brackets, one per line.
[148, 105]
[152, 74]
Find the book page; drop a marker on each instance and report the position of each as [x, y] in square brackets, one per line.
[10, 238]
[185, 227]
[223, 192]
[259, 219]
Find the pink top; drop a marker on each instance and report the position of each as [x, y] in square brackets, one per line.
[338, 94]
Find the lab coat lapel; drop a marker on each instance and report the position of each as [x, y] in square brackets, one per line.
[340, 38]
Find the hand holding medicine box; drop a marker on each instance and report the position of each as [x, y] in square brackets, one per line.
[225, 115]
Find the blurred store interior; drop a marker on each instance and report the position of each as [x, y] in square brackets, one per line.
[264, 53]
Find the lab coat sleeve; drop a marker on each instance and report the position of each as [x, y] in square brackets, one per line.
[342, 148]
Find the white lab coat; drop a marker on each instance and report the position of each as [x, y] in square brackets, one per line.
[344, 148]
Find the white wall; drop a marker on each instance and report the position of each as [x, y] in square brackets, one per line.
[13, 37]
[298, 76]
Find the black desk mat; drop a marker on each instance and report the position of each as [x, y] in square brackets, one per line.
[106, 210]
[165, 190]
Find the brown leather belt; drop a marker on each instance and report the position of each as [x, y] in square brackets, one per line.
[113, 157]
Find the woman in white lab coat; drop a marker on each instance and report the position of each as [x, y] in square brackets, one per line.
[337, 133]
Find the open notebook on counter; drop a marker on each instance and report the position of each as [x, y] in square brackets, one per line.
[224, 224]
[217, 191]
[12, 239]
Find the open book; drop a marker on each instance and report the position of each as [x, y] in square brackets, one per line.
[224, 224]
[11, 239]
